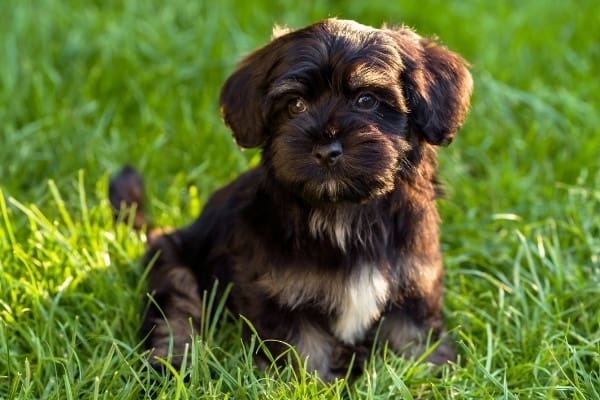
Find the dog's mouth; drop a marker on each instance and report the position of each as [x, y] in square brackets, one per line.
[334, 188]
[330, 190]
[347, 181]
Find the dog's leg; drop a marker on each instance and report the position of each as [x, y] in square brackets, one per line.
[345, 356]
[324, 354]
[411, 336]
[316, 347]
[174, 312]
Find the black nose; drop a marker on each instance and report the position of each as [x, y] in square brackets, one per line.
[328, 154]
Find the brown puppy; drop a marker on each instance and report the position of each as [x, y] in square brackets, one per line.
[335, 233]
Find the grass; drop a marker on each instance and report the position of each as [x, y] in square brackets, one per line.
[88, 86]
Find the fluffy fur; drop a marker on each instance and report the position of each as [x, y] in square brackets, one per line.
[336, 232]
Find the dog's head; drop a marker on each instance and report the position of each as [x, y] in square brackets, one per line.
[339, 108]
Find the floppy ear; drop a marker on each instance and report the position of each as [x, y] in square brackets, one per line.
[244, 92]
[437, 86]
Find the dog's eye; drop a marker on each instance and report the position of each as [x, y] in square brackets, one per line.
[366, 101]
[297, 106]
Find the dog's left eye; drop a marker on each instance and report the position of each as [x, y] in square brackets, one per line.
[297, 106]
[366, 101]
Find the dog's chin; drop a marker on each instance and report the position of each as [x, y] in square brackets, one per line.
[332, 189]
[316, 196]
[349, 182]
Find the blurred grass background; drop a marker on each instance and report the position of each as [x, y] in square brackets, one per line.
[86, 87]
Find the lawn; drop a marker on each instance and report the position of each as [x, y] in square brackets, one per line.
[86, 87]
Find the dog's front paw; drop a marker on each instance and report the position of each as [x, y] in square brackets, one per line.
[444, 353]
[168, 350]
[347, 360]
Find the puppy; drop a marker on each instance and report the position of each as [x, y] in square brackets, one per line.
[335, 235]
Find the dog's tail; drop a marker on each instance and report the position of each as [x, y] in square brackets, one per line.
[126, 195]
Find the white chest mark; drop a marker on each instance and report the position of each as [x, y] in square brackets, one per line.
[361, 304]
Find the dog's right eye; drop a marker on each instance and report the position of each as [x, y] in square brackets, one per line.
[366, 101]
[297, 106]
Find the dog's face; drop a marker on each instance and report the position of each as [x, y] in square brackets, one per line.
[341, 109]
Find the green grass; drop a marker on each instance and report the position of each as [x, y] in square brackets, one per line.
[86, 87]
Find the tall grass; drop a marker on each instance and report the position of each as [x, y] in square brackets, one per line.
[86, 87]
